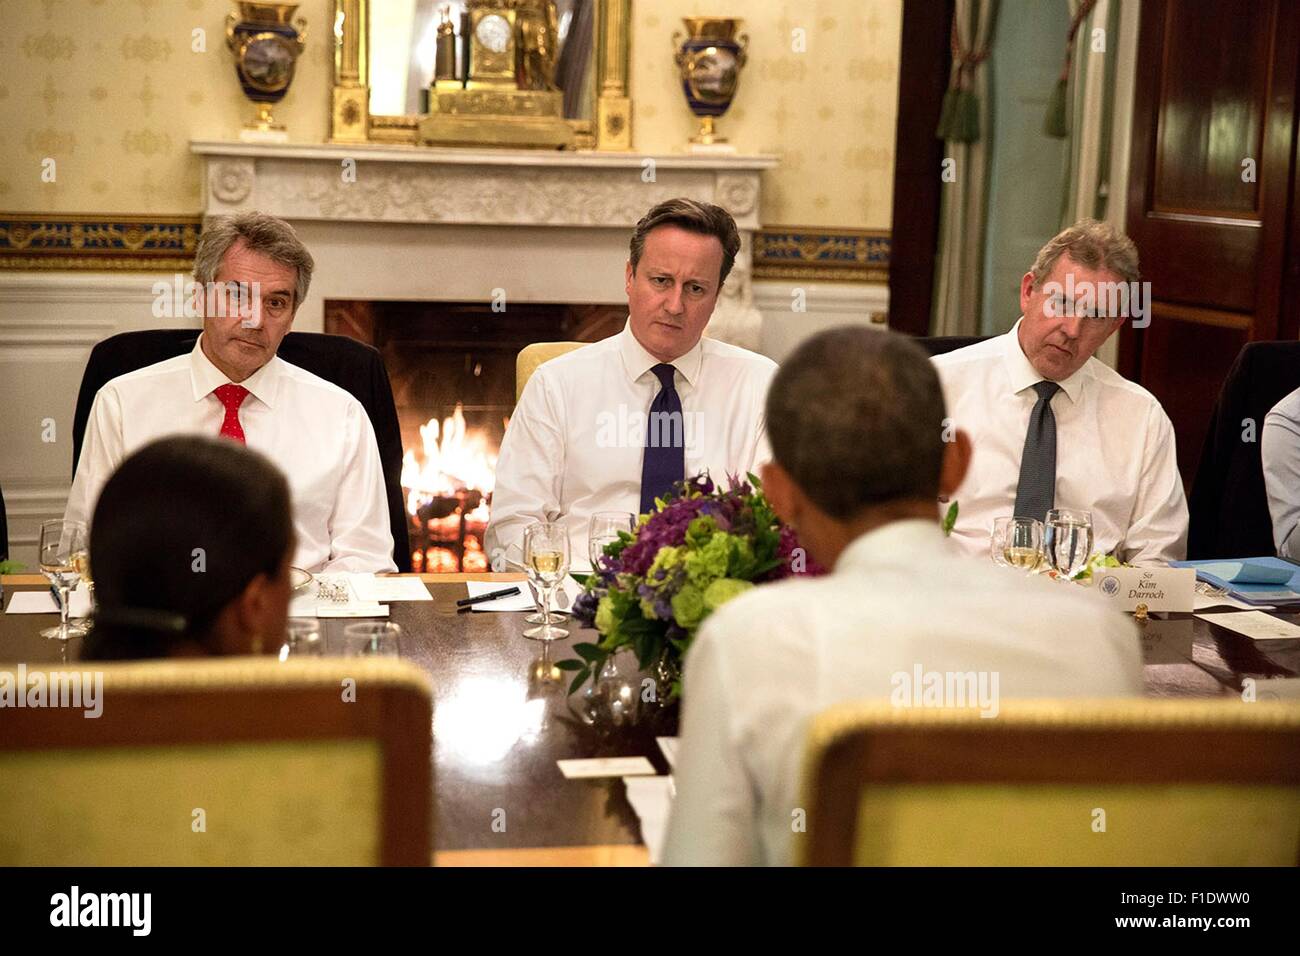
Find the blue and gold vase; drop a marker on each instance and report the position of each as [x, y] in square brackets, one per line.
[266, 42]
[709, 60]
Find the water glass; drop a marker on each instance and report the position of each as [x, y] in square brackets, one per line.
[372, 639]
[1067, 540]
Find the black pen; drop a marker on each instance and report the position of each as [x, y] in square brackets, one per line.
[490, 596]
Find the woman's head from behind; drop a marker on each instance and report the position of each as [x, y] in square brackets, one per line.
[190, 546]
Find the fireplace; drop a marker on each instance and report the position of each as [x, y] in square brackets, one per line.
[452, 367]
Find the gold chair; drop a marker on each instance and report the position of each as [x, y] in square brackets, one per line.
[531, 356]
[236, 761]
[1098, 783]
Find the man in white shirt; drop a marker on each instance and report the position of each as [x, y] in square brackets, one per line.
[856, 421]
[610, 426]
[1054, 427]
[252, 274]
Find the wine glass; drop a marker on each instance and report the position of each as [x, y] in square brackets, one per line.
[302, 638]
[81, 561]
[372, 639]
[61, 542]
[998, 541]
[1067, 540]
[1022, 543]
[604, 530]
[546, 559]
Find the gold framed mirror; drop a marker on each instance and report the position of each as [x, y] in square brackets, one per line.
[486, 73]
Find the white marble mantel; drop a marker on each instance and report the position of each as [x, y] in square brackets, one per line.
[404, 222]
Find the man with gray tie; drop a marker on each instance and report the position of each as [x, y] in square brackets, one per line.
[1052, 426]
[612, 425]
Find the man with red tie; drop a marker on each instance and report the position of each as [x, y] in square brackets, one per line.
[253, 273]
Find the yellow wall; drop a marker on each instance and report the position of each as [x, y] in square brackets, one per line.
[112, 90]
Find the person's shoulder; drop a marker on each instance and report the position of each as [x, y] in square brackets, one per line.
[736, 362]
[765, 613]
[575, 363]
[149, 375]
[298, 378]
[978, 352]
[1117, 385]
[1286, 411]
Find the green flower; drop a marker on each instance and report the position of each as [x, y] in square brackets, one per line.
[709, 563]
[605, 620]
[723, 590]
[688, 607]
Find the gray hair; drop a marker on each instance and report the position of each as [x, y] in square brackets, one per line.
[1091, 244]
[856, 418]
[273, 238]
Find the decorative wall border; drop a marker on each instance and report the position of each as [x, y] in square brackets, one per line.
[97, 242]
[817, 253]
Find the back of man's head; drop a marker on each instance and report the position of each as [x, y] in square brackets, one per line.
[856, 417]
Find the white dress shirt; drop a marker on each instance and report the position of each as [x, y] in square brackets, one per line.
[314, 431]
[1279, 447]
[575, 443]
[901, 597]
[1114, 450]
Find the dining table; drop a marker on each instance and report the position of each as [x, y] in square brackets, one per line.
[503, 717]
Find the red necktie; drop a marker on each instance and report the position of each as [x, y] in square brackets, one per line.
[232, 396]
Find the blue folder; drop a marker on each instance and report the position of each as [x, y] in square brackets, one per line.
[1265, 580]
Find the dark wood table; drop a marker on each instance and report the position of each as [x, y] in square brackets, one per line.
[500, 726]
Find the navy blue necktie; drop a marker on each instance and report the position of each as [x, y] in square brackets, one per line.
[1036, 490]
[665, 441]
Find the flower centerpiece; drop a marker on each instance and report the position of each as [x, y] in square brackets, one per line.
[654, 587]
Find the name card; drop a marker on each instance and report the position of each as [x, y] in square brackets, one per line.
[1160, 589]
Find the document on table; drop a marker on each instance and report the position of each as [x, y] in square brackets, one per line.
[652, 799]
[311, 603]
[384, 590]
[523, 601]
[42, 602]
[1256, 625]
[1202, 601]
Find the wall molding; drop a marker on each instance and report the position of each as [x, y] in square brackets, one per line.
[823, 254]
[90, 242]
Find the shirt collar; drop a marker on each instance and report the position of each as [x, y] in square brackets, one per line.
[1022, 373]
[891, 544]
[264, 384]
[637, 361]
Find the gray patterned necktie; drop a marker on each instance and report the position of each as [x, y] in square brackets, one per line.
[1036, 490]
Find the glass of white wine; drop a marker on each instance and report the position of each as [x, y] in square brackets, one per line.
[1067, 540]
[546, 559]
[1022, 543]
[998, 541]
[604, 530]
[62, 544]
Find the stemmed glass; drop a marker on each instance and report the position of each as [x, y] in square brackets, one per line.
[604, 530]
[1017, 543]
[63, 547]
[1067, 540]
[546, 559]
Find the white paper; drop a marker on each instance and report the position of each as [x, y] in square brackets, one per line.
[1256, 625]
[42, 602]
[523, 601]
[382, 590]
[668, 745]
[606, 767]
[351, 610]
[652, 799]
[1202, 601]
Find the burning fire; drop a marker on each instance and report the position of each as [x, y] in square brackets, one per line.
[447, 495]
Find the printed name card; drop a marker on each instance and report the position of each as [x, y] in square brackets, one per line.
[606, 767]
[1160, 589]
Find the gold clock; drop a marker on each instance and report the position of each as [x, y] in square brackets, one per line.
[492, 46]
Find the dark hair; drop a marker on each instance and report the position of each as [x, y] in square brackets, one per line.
[692, 215]
[856, 418]
[153, 586]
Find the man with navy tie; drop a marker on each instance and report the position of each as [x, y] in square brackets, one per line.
[611, 426]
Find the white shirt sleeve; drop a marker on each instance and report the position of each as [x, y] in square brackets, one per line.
[101, 453]
[361, 538]
[1279, 447]
[713, 821]
[530, 469]
[1157, 532]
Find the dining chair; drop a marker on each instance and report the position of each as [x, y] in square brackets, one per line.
[1052, 783]
[353, 366]
[233, 761]
[534, 355]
